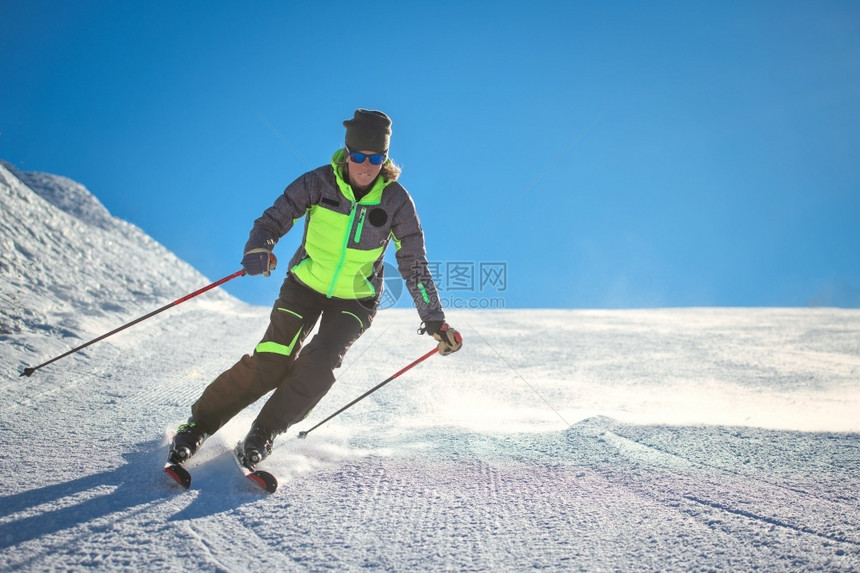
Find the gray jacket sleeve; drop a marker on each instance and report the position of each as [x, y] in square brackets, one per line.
[412, 262]
[278, 219]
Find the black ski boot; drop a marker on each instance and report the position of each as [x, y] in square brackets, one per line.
[257, 445]
[187, 440]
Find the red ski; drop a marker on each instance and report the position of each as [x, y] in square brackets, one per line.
[262, 479]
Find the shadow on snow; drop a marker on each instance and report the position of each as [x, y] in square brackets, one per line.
[138, 482]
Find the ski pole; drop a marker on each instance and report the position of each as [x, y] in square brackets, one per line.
[30, 371]
[304, 435]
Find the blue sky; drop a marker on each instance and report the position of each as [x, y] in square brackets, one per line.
[611, 154]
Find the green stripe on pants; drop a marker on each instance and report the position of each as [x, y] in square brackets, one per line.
[275, 348]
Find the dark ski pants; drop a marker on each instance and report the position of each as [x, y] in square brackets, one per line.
[299, 375]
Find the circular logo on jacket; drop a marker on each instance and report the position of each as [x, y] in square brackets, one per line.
[377, 217]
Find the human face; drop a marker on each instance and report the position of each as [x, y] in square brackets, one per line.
[362, 174]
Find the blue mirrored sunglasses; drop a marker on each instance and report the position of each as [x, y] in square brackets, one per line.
[375, 159]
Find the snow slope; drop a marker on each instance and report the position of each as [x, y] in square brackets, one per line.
[71, 269]
[670, 440]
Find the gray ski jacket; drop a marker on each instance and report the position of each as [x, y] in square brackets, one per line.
[345, 239]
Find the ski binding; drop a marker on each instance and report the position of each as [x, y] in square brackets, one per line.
[262, 479]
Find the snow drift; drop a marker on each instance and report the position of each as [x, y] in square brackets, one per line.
[67, 263]
[671, 440]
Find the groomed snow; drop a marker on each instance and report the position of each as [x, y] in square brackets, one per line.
[666, 440]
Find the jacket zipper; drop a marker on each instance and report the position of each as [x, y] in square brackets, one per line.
[360, 224]
[344, 245]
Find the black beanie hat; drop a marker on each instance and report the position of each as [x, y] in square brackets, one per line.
[368, 130]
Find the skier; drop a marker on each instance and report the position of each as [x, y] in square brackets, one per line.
[353, 207]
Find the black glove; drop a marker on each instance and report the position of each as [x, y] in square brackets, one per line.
[259, 261]
[449, 339]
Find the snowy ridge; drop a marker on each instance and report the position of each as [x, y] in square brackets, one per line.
[68, 268]
[567, 440]
[67, 195]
